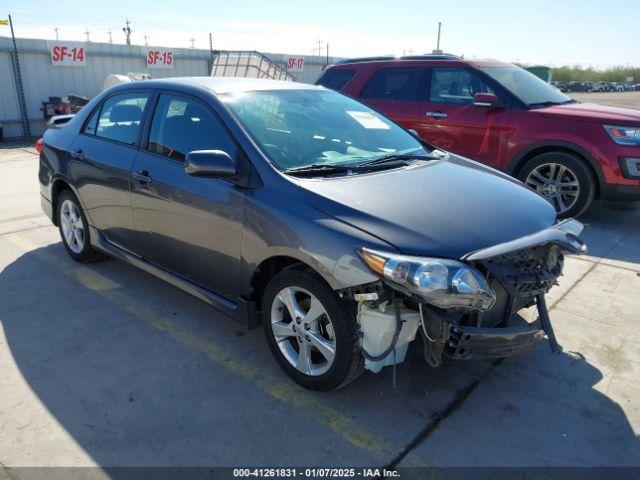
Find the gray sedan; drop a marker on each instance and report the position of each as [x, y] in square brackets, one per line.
[299, 209]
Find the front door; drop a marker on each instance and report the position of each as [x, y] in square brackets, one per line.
[449, 120]
[191, 226]
[102, 157]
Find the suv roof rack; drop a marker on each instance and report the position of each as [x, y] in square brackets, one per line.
[427, 56]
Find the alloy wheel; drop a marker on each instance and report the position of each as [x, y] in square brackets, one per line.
[73, 229]
[303, 331]
[557, 183]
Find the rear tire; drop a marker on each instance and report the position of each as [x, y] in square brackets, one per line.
[340, 331]
[563, 179]
[74, 229]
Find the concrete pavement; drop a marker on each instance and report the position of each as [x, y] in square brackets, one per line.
[105, 365]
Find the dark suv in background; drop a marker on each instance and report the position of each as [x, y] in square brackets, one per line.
[505, 117]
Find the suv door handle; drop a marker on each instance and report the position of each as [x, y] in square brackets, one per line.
[142, 176]
[77, 154]
[437, 114]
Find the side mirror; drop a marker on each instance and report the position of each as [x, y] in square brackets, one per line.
[210, 163]
[486, 100]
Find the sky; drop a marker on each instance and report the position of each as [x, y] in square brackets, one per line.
[556, 33]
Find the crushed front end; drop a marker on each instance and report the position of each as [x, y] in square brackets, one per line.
[468, 308]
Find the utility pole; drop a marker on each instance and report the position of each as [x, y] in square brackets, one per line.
[87, 33]
[146, 37]
[319, 47]
[437, 51]
[127, 31]
[110, 37]
[327, 62]
[211, 57]
[193, 43]
[56, 30]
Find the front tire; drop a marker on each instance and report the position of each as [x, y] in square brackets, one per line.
[563, 179]
[311, 332]
[74, 229]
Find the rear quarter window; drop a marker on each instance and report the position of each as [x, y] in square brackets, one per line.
[402, 83]
[335, 79]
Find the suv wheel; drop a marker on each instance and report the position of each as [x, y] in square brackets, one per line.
[74, 229]
[311, 332]
[563, 179]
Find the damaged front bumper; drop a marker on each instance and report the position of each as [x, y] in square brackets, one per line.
[520, 272]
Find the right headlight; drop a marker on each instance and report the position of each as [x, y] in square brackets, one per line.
[624, 135]
[441, 282]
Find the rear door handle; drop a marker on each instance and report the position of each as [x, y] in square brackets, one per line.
[142, 176]
[437, 114]
[77, 154]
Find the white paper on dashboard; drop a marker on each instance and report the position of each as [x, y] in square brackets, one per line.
[368, 120]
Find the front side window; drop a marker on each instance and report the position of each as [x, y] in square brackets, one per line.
[394, 84]
[456, 86]
[181, 125]
[121, 116]
[526, 86]
[296, 128]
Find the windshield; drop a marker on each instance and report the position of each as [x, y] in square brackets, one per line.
[296, 128]
[526, 86]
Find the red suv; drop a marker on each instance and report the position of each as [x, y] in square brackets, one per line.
[505, 117]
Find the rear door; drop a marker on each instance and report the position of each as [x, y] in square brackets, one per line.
[449, 120]
[396, 92]
[103, 155]
[191, 226]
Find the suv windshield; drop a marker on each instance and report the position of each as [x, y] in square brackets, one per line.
[298, 128]
[526, 86]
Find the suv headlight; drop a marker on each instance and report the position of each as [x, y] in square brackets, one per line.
[624, 135]
[441, 282]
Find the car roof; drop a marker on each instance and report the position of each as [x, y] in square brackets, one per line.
[415, 60]
[226, 84]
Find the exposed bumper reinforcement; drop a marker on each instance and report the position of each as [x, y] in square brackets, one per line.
[480, 342]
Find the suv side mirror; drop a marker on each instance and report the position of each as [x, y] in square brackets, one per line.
[486, 100]
[210, 163]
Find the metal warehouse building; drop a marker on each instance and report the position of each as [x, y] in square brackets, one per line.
[41, 78]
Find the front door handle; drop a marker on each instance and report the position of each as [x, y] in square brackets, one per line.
[436, 114]
[142, 176]
[77, 154]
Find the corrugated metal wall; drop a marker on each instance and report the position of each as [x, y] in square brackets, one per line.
[41, 79]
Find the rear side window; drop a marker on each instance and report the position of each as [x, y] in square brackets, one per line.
[395, 84]
[181, 125]
[456, 85]
[121, 116]
[335, 79]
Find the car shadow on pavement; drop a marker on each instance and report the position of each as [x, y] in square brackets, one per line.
[131, 395]
[538, 410]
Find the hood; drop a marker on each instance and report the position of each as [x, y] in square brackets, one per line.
[591, 111]
[446, 208]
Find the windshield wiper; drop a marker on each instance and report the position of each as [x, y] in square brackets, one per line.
[394, 157]
[548, 103]
[314, 168]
